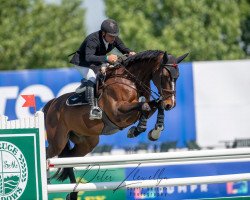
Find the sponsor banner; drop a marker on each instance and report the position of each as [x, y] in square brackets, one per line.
[20, 176]
[44, 84]
[229, 189]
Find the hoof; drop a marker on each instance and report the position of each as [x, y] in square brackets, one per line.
[154, 134]
[150, 136]
[131, 132]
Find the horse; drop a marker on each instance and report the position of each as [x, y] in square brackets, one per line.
[125, 97]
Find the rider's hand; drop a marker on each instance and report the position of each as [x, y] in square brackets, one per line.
[103, 70]
[131, 53]
[112, 58]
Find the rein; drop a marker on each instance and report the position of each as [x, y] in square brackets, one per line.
[143, 86]
[171, 68]
[136, 80]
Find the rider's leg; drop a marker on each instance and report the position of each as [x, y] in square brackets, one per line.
[90, 81]
[80, 89]
[87, 74]
[95, 112]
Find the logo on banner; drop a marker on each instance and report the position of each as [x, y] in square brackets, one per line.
[13, 171]
[240, 187]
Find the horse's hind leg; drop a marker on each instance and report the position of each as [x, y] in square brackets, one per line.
[58, 140]
[83, 145]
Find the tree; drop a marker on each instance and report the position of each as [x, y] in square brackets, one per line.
[208, 29]
[245, 25]
[35, 34]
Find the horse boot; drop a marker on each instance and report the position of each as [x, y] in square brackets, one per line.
[95, 112]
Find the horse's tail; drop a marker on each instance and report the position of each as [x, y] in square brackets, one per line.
[64, 173]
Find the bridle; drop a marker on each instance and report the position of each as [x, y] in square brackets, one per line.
[174, 74]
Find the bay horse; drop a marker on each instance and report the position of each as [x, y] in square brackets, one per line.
[125, 97]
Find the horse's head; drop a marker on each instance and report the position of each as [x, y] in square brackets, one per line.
[161, 68]
[165, 78]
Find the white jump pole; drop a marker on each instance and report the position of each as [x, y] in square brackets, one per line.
[169, 157]
[147, 183]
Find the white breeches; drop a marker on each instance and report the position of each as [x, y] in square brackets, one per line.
[87, 73]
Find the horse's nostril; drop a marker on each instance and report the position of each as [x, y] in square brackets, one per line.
[168, 106]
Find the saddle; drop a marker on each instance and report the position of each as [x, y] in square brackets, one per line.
[79, 99]
[76, 99]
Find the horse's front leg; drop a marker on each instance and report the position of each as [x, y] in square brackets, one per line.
[125, 107]
[155, 133]
[134, 131]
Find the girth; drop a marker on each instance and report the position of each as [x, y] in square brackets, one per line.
[109, 127]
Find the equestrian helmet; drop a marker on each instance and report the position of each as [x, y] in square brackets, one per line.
[110, 26]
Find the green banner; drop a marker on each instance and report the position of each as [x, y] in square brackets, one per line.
[20, 173]
[95, 175]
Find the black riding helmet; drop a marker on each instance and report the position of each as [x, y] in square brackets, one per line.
[110, 26]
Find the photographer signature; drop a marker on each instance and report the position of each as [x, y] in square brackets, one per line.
[105, 176]
[158, 175]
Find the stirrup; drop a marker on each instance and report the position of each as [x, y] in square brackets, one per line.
[95, 113]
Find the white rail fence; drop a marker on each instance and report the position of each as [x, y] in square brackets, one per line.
[29, 122]
[223, 155]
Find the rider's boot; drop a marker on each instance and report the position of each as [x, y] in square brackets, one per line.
[82, 87]
[95, 112]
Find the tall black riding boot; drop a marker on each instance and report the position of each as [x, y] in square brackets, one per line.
[95, 112]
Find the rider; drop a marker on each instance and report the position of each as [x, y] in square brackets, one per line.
[92, 54]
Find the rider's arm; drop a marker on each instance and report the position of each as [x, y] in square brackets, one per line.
[121, 46]
[90, 50]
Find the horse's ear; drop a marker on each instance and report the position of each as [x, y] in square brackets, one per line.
[165, 58]
[181, 58]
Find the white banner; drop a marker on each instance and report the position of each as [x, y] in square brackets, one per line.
[222, 101]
